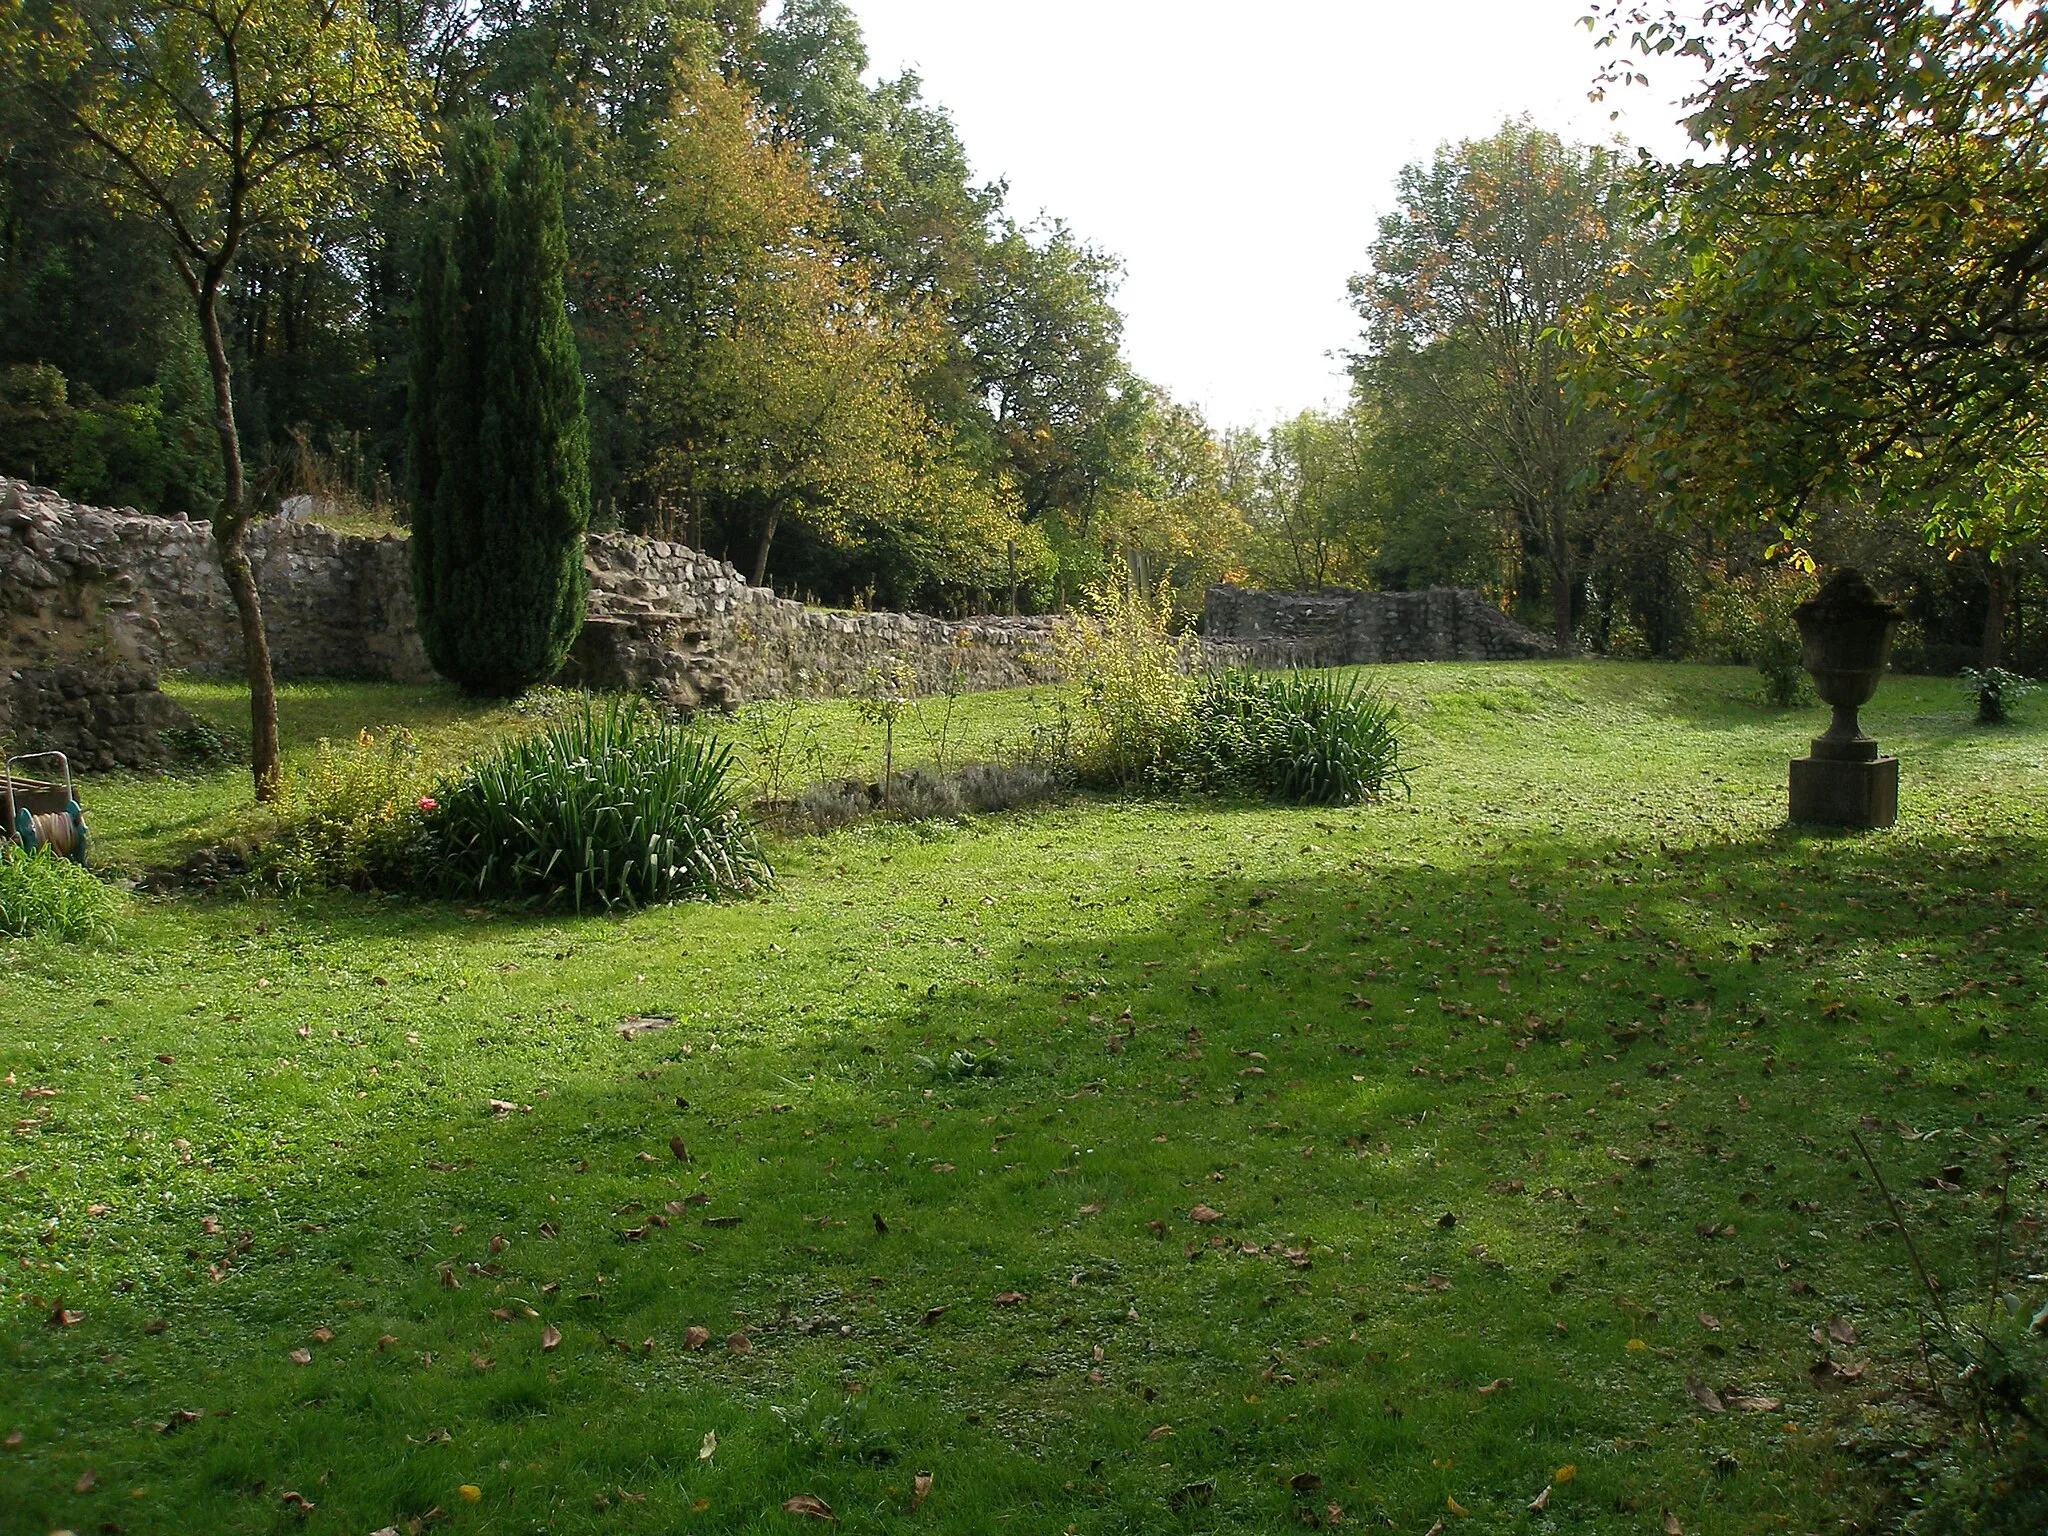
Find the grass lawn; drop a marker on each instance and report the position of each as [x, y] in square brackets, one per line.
[1515, 1119]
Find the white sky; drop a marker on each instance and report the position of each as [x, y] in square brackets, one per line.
[1237, 155]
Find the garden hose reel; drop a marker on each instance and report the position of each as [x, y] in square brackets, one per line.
[41, 814]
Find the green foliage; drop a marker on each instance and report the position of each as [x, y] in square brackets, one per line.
[1128, 663]
[1305, 738]
[609, 808]
[1747, 620]
[1995, 691]
[500, 447]
[353, 818]
[44, 895]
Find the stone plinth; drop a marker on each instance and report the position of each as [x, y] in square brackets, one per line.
[1837, 792]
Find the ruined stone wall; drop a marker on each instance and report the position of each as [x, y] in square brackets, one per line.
[100, 716]
[1339, 627]
[78, 583]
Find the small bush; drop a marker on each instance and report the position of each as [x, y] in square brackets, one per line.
[1996, 691]
[1130, 669]
[42, 894]
[1747, 620]
[611, 807]
[1004, 786]
[1307, 737]
[354, 818]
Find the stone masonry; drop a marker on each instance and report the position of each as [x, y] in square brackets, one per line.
[82, 582]
[1339, 627]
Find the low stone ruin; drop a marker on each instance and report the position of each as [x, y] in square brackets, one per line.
[1341, 627]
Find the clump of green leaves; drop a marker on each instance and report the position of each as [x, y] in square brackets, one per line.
[43, 894]
[1147, 720]
[1748, 620]
[355, 818]
[1996, 691]
[612, 807]
[1311, 738]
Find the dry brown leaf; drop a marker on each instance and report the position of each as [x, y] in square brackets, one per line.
[932, 1315]
[61, 1317]
[1841, 1330]
[695, 1337]
[1541, 1502]
[1671, 1525]
[1709, 1322]
[1495, 1385]
[386, 1340]
[1204, 1215]
[1092, 1210]
[550, 1338]
[675, 1145]
[1705, 1395]
[810, 1505]
[920, 1490]
[322, 1335]
[87, 1481]
[1755, 1404]
[1011, 1298]
[709, 1448]
[739, 1344]
[1306, 1482]
[293, 1499]
[301, 1357]
[482, 1362]
[1161, 1432]
[13, 1439]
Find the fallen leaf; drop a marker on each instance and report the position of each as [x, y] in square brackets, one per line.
[482, 1362]
[301, 1357]
[739, 1344]
[920, 1490]
[292, 1499]
[177, 1421]
[322, 1335]
[1541, 1502]
[1704, 1395]
[1671, 1525]
[1092, 1210]
[87, 1481]
[1826, 1373]
[386, 1340]
[1841, 1330]
[470, 1492]
[550, 1338]
[63, 1318]
[1204, 1215]
[1495, 1385]
[13, 1439]
[1755, 1404]
[695, 1337]
[1565, 1473]
[1306, 1482]
[1709, 1322]
[1010, 1298]
[675, 1145]
[710, 1446]
[932, 1315]
[810, 1505]
[1161, 1432]
[1193, 1496]
[1455, 1507]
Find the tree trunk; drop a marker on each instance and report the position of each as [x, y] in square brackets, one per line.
[228, 528]
[1561, 585]
[761, 549]
[1994, 615]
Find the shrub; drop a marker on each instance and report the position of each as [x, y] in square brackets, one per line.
[1129, 667]
[1748, 620]
[1308, 737]
[1996, 691]
[611, 807]
[354, 818]
[42, 894]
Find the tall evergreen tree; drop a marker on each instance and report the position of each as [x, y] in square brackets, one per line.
[500, 446]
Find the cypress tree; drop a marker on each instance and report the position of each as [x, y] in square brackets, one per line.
[500, 447]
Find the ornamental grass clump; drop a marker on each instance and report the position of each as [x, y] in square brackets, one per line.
[611, 807]
[45, 895]
[1309, 738]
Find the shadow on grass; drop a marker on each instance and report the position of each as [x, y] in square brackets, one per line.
[1480, 1144]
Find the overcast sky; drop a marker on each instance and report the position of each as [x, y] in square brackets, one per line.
[1237, 155]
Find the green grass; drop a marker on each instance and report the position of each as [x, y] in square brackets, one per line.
[275, 1118]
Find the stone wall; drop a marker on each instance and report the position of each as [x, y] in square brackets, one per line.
[100, 716]
[79, 582]
[1339, 627]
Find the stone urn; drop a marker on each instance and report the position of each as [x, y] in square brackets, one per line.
[1845, 634]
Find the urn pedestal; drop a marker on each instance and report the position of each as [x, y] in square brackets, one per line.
[1845, 634]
